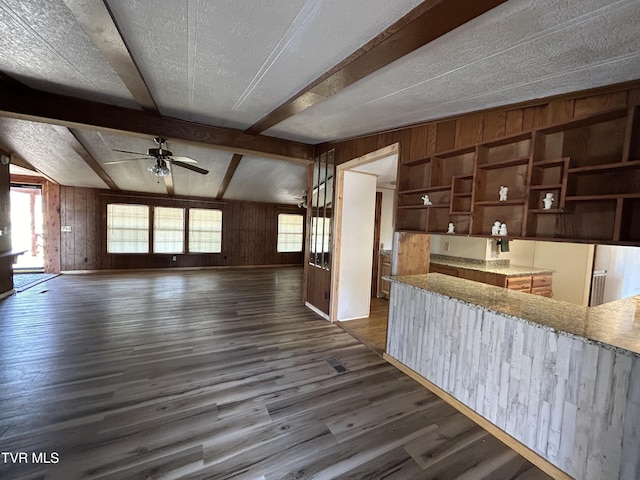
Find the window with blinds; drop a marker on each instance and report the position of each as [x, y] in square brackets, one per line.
[290, 232]
[205, 230]
[127, 228]
[168, 230]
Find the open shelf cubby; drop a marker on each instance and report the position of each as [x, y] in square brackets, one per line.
[589, 165]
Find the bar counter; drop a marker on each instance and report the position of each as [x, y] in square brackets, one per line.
[561, 379]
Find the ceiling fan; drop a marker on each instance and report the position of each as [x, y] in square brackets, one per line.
[162, 156]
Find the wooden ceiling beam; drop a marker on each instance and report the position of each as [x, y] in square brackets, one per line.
[425, 23]
[18, 161]
[95, 18]
[29, 104]
[231, 169]
[72, 140]
[168, 181]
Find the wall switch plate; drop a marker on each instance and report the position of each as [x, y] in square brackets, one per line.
[447, 246]
[174, 258]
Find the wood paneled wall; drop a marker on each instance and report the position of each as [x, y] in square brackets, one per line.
[6, 274]
[429, 138]
[249, 236]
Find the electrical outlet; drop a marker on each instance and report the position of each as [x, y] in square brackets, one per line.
[447, 246]
[174, 258]
[66, 228]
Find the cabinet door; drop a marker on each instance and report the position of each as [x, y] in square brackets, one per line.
[385, 271]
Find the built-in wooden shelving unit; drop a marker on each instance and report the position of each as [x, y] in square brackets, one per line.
[590, 165]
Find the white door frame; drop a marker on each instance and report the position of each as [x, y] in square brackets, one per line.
[387, 151]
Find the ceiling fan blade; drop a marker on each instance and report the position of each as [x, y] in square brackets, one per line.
[184, 159]
[125, 160]
[193, 168]
[128, 151]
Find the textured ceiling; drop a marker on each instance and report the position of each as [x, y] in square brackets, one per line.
[521, 50]
[42, 45]
[272, 181]
[230, 63]
[41, 145]
[385, 169]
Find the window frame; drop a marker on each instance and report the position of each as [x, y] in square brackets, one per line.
[189, 230]
[148, 228]
[155, 230]
[279, 233]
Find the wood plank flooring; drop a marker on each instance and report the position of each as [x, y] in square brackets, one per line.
[215, 374]
[371, 331]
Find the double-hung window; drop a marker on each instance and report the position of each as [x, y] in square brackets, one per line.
[168, 230]
[290, 232]
[127, 228]
[205, 230]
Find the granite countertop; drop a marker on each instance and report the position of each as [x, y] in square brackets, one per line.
[501, 267]
[612, 325]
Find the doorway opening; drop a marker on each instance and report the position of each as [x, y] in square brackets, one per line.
[365, 201]
[27, 227]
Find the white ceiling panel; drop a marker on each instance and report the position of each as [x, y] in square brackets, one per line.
[519, 51]
[42, 147]
[230, 63]
[270, 181]
[194, 184]
[42, 45]
[385, 169]
[130, 176]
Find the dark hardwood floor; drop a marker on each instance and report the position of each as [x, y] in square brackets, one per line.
[215, 374]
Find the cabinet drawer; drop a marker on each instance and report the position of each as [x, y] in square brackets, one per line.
[541, 281]
[542, 291]
[443, 270]
[519, 283]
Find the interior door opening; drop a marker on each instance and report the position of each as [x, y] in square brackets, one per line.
[27, 227]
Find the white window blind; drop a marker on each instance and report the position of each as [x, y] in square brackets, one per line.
[127, 228]
[205, 231]
[168, 230]
[290, 229]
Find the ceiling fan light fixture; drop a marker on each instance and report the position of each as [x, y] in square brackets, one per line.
[160, 169]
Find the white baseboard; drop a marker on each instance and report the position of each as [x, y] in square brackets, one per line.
[317, 311]
[8, 293]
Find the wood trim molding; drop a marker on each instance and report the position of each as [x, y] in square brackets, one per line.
[68, 136]
[35, 105]
[231, 169]
[96, 19]
[425, 23]
[504, 437]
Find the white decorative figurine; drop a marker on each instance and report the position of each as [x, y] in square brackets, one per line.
[503, 193]
[426, 201]
[503, 230]
[548, 200]
[452, 228]
[495, 229]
